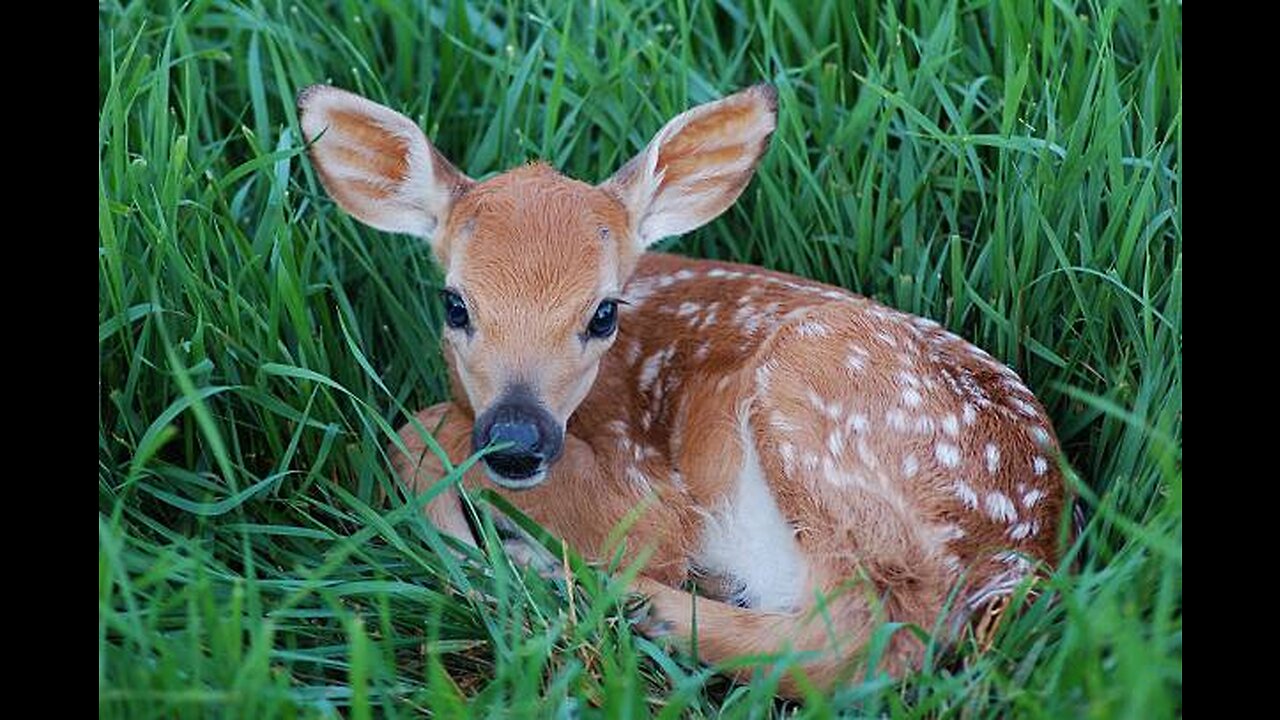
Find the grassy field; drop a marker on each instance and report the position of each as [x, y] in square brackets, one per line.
[1012, 169]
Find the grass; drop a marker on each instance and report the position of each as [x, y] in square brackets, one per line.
[1012, 169]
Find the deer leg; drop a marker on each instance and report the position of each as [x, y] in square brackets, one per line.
[603, 503]
[421, 467]
[829, 638]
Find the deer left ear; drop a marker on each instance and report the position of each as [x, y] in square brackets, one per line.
[376, 163]
[697, 165]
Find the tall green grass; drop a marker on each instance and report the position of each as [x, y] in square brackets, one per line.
[1012, 169]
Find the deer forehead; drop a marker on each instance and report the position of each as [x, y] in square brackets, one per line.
[532, 238]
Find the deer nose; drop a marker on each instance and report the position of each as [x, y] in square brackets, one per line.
[528, 439]
[522, 456]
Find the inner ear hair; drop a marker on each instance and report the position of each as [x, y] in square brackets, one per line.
[697, 165]
[376, 163]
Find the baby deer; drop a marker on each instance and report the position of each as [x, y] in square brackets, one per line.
[810, 462]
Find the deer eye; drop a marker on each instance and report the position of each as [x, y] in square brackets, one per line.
[605, 320]
[455, 310]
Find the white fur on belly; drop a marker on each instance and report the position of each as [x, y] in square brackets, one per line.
[748, 541]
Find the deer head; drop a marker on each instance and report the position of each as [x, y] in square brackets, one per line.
[534, 261]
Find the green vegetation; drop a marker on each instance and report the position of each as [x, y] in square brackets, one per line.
[1012, 169]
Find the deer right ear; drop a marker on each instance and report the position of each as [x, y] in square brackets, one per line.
[697, 165]
[376, 163]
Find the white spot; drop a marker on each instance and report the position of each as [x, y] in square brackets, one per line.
[637, 478]
[910, 465]
[1040, 435]
[704, 349]
[858, 422]
[788, 452]
[833, 474]
[886, 338]
[665, 281]
[832, 410]
[1022, 406]
[947, 454]
[811, 329]
[782, 423]
[659, 389]
[969, 413]
[639, 291]
[867, 457]
[924, 425]
[1023, 529]
[966, 494]
[979, 353]
[835, 442]
[1039, 465]
[1002, 583]
[811, 461]
[1014, 560]
[855, 363]
[911, 397]
[970, 388]
[1030, 498]
[764, 374]
[993, 458]
[649, 371]
[908, 378]
[1001, 508]
[715, 273]
[950, 424]
[684, 275]
[688, 308]
[897, 419]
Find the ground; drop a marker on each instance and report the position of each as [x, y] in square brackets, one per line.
[1011, 170]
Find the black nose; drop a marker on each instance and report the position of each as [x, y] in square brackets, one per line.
[523, 454]
[530, 437]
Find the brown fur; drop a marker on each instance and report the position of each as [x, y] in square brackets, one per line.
[907, 462]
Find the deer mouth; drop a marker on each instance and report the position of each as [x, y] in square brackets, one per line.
[516, 483]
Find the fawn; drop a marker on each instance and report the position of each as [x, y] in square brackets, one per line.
[810, 463]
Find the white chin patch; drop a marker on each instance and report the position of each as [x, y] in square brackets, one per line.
[518, 483]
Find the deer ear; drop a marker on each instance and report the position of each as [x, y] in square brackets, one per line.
[376, 163]
[697, 165]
